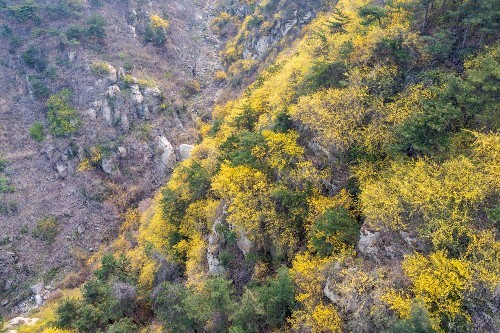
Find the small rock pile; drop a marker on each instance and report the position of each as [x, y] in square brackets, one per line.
[40, 292]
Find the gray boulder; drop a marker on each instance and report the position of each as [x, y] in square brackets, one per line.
[108, 165]
[185, 151]
[112, 76]
[215, 242]
[167, 153]
[37, 288]
[135, 94]
[113, 91]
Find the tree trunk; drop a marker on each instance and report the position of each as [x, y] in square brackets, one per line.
[465, 35]
[426, 16]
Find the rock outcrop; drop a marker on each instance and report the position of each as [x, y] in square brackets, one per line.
[243, 242]
[215, 243]
[37, 288]
[293, 15]
[7, 261]
[385, 245]
[18, 321]
[166, 152]
[185, 151]
[121, 99]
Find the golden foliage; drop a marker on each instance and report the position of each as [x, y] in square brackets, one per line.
[443, 195]
[313, 315]
[282, 149]
[306, 274]
[439, 282]
[326, 319]
[157, 22]
[220, 76]
[247, 193]
[483, 254]
[338, 115]
[93, 159]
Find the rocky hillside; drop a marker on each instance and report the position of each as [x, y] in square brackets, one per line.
[256, 32]
[345, 179]
[94, 115]
[100, 100]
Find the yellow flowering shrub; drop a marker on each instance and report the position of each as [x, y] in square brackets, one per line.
[436, 198]
[247, 193]
[157, 22]
[312, 315]
[439, 282]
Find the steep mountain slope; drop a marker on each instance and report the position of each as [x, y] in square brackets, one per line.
[347, 181]
[364, 160]
[100, 99]
[135, 103]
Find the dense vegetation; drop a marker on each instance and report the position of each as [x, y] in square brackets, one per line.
[6, 206]
[379, 120]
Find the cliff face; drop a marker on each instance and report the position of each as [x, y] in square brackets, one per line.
[265, 26]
